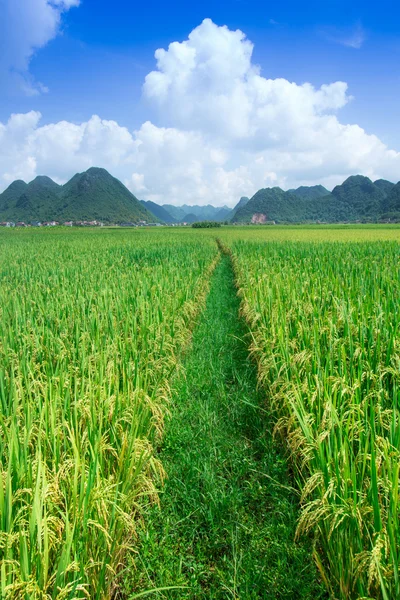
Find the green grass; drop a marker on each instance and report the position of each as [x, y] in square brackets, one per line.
[227, 520]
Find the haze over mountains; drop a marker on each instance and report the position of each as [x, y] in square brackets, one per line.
[168, 213]
[97, 195]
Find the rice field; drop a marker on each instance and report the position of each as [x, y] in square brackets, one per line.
[93, 326]
[91, 329]
[325, 329]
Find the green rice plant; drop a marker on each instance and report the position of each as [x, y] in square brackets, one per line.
[92, 323]
[325, 323]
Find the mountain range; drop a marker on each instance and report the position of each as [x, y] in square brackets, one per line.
[92, 195]
[186, 213]
[159, 212]
[97, 195]
[356, 199]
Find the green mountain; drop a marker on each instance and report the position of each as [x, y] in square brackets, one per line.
[97, 195]
[92, 195]
[384, 185]
[37, 200]
[11, 195]
[190, 218]
[223, 214]
[392, 202]
[42, 182]
[242, 202]
[203, 213]
[159, 212]
[274, 204]
[176, 212]
[356, 199]
[310, 192]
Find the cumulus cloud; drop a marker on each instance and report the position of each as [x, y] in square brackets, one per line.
[221, 130]
[61, 149]
[177, 166]
[161, 164]
[209, 82]
[26, 26]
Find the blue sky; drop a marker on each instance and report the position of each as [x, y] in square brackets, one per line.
[95, 55]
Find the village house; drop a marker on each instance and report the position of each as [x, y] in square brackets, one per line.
[89, 223]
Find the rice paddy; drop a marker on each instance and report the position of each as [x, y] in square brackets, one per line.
[95, 345]
[90, 330]
[325, 325]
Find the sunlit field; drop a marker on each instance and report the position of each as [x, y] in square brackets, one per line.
[314, 233]
[325, 333]
[93, 327]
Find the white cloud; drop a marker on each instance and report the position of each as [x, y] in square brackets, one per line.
[61, 149]
[26, 26]
[209, 83]
[353, 37]
[179, 167]
[223, 131]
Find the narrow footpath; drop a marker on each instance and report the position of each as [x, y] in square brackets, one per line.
[228, 514]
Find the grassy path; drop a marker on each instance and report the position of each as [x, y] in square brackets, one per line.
[227, 519]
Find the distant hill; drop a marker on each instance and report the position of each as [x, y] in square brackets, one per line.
[159, 212]
[223, 214]
[384, 185]
[392, 202]
[207, 212]
[273, 203]
[356, 199]
[190, 218]
[242, 202]
[176, 212]
[203, 213]
[92, 195]
[11, 195]
[310, 192]
[37, 200]
[97, 195]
